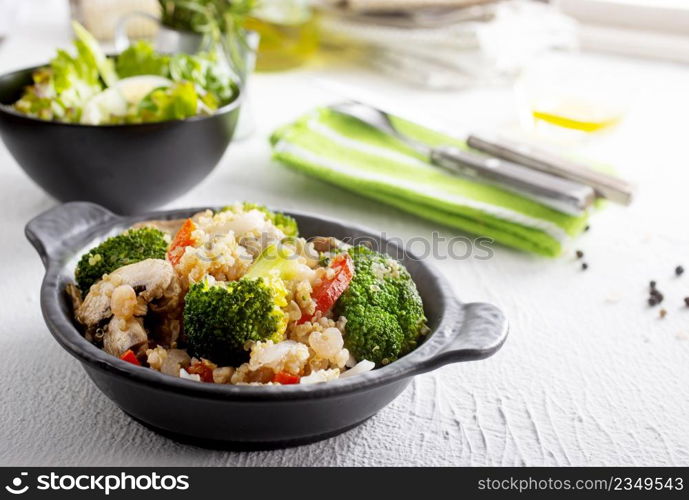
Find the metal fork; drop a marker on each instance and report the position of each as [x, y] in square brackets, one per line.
[560, 194]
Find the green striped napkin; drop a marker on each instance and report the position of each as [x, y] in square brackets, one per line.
[344, 151]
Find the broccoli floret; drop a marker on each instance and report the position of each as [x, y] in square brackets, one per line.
[129, 247]
[283, 222]
[385, 317]
[373, 333]
[220, 318]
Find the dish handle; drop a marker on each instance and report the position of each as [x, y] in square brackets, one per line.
[51, 231]
[480, 333]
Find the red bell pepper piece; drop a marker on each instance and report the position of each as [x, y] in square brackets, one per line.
[201, 369]
[285, 378]
[130, 357]
[182, 240]
[326, 294]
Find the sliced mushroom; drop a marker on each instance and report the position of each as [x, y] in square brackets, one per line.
[151, 278]
[166, 324]
[124, 334]
[325, 243]
[168, 327]
[171, 297]
[74, 295]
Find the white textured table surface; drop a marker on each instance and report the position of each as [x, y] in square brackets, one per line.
[589, 375]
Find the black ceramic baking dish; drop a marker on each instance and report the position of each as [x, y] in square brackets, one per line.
[251, 416]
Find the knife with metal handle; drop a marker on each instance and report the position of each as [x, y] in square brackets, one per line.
[560, 194]
[606, 186]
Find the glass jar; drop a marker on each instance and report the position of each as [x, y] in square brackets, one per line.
[288, 33]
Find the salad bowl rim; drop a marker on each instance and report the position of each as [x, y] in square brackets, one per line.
[8, 109]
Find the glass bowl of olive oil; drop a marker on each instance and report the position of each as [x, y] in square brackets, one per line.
[572, 93]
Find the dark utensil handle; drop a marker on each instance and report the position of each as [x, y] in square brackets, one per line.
[51, 232]
[561, 194]
[481, 332]
[607, 186]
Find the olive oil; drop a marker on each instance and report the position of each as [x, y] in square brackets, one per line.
[582, 113]
[560, 94]
[288, 31]
[581, 123]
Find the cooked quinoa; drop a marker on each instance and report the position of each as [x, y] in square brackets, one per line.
[237, 301]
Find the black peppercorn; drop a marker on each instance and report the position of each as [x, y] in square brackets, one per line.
[652, 285]
[686, 301]
[679, 270]
[653, 301]
[584, 266]
[579, 254]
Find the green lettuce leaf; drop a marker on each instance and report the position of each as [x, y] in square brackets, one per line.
[38, 99]
[105, 66]
[214, 85]
[60, 90]
[141, 59]
[176, 102]
[204, 71]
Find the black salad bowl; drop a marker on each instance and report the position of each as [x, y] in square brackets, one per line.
[128, 168]
[252, 416]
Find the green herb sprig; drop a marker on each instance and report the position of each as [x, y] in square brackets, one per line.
[220, 21]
